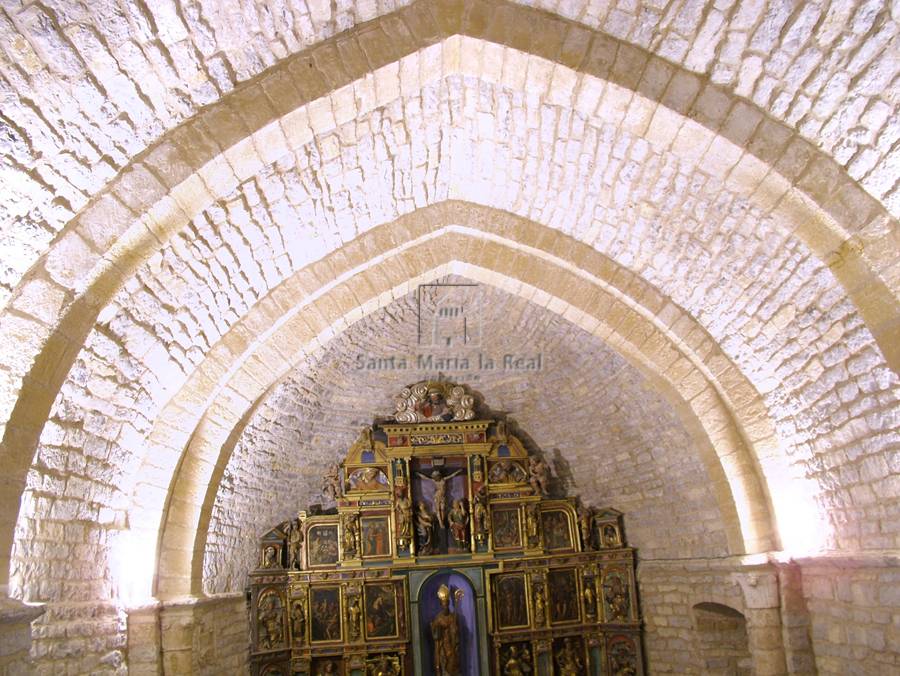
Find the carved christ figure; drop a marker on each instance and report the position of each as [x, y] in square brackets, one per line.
[440, 493]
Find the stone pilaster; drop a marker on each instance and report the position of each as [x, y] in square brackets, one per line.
[196, 635]
[762, 602]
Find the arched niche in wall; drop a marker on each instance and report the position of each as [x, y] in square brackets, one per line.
[720, 638]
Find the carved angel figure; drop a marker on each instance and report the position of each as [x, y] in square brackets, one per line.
[331, 482]
[538, 476]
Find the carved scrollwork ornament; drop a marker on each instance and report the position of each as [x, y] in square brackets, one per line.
[433, 402]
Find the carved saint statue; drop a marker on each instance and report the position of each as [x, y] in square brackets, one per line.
[328, 668]
[354, 614]
[623, 665]
[538, 476]
[590, 605]
[384, 666]
[459, 522]
[586, 526]
[295, 543]
[298, 621]
[404, 516]
[532, 531]
[424, 528]
[351, 536]
[445, 633]
[569, 662]
[440, 493]
[479, 513]
[540, 605]
[331, 482]
[513, 665]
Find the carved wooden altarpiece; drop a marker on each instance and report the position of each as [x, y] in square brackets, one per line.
[446, 554]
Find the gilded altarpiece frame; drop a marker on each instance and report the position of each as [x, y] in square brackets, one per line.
[446, 551]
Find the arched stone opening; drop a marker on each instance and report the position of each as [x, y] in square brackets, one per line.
[720, 636]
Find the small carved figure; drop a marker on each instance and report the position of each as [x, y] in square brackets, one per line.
[295, 543]
[269, 618]
[540, 606]
[531, 525]
[354, 614]
[440, 493]
[569, 661]
[384, 666]
[526, 659]
[298, 621]
[328, 668]
[610, 536]
[513, 664]
[590, 606]
[586, 526]
[479, 515]
[459, 522]
[270, 557]
[445, 633]
[404, 516]
[538, 476]
[351, 536]
[331, 482]
[424, 529]
[477, 469]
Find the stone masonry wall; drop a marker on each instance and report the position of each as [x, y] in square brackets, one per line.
[854, 609]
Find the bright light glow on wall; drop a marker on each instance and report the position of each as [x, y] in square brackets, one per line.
[802, 526]
[132, 564]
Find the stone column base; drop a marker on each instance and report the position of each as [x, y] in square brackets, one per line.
[15, 635]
